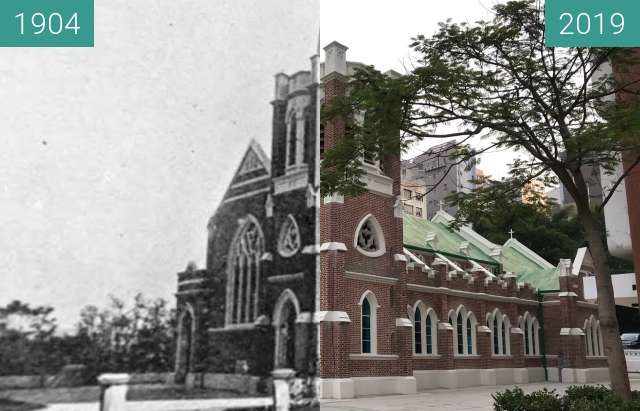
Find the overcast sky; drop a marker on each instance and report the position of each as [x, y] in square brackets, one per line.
[114, 158]
[378, 32]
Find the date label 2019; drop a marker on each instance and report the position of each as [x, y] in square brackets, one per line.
[592, 23]
[46, 23]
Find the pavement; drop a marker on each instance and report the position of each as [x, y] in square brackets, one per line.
[464, 399]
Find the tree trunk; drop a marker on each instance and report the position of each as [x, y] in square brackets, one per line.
[606, 304]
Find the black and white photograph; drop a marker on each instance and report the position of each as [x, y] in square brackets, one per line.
[159, 197]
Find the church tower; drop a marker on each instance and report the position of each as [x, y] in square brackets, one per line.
[363, 318]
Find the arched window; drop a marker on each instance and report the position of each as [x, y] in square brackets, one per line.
[417, 331]
[460, 333]
[469, 336]
[369, 239]
[430, 332]
[593, 337]
[292, 140]
[531, 329]
[501, 331]
[424, 329]
[368, 308]
[289, 238]
[464, 325]
[243, 272]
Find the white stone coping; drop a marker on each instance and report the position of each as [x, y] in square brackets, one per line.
[114, 379]
[400, 257]
[470, 294]
[484, 329]
[332, 317]
[596, 357]
[370, 277]
[385, 357]
[311, 249]
[571, 331]
[403, 322]
[516, 330]
[445, 326]
[336, 198]
[567, 294]
[333, 246]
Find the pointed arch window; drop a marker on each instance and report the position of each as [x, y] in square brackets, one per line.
[531, 329]
[289, 238]
[243, 275]
[464, 326]
[424, 330]
[369, 238]
[292, 140]
[501, 331]
[593, 337]
[417, 331]
[368, 323]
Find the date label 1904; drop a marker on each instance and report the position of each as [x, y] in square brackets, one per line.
[46, 23]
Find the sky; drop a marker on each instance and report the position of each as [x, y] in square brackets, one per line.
[114, 158]
[378, 33]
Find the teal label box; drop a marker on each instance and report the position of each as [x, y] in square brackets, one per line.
[592, 23]
[46, 23]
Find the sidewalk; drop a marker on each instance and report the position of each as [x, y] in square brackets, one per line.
[474, 398]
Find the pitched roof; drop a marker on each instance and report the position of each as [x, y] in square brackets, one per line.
[435, 236]
[422, 234]
[529, 270]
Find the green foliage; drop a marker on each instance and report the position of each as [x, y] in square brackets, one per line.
[575, 398]
[495, 208]
[516, 400]
[114, 339]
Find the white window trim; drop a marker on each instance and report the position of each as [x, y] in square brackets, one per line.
[466, 315]
[379, 234]
[531, 328]
[373, 303]
[430, 314]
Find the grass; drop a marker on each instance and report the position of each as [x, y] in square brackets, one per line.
[7, 404]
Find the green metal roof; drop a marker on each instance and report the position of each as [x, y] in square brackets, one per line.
[528, 271]
[416, 230]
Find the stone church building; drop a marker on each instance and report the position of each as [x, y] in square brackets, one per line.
[408, 304]
[251, 309]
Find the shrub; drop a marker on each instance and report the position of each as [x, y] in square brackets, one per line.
[516, 400]
[575, 398]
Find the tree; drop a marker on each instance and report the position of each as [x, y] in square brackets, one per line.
[25, 344]
[539, 223]
[495, 82]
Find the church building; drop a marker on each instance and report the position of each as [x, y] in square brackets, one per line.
[251, 309]
[408, 304]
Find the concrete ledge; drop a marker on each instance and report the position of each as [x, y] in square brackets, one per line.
[422, 380]
[339, 388]
[584, 375]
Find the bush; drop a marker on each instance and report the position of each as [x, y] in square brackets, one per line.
[516, 400]
[575, 398]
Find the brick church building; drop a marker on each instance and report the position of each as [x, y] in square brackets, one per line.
[251, 309]
[407, 304]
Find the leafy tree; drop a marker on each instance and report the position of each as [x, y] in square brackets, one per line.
[553, 232]
[25, 342]
[559, 109]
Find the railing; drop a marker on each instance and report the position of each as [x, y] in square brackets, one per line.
[113, 393]
[633, 360]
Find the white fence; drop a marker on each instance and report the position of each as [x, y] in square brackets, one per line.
[114, 391]
[633, 360]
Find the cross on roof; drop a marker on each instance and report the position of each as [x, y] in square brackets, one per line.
[511, 233]
[441, 205]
